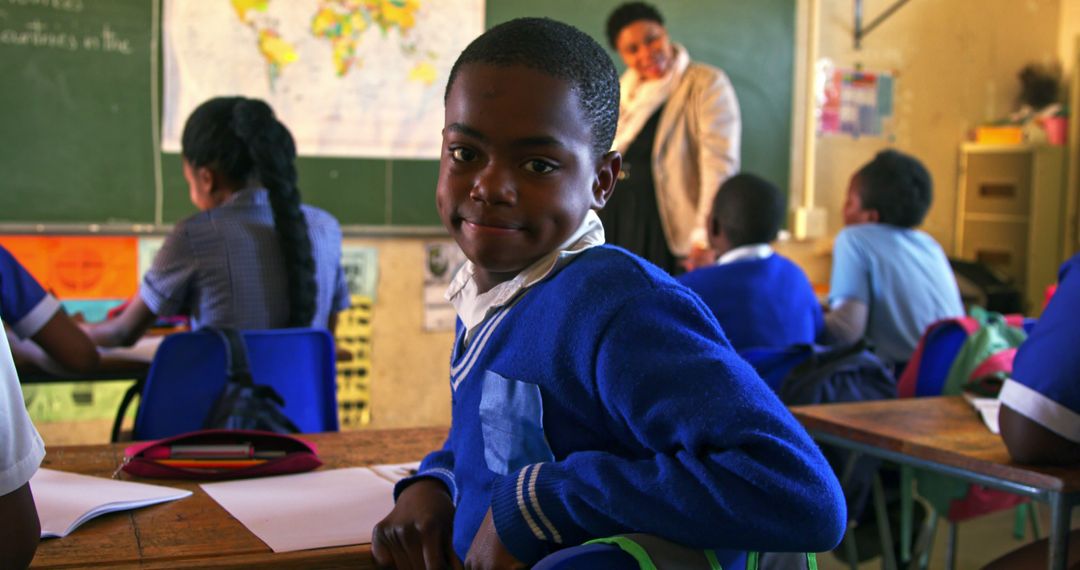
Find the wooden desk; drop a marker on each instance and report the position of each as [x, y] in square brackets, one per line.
[946, 435]
[196, 532]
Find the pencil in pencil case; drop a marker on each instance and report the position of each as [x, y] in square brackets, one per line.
[216, 454]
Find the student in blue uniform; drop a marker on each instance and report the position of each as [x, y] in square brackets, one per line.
[761, 298]
[1040, 404]
[31, 313]
[889, 280]
[592, 394]
[255, 257]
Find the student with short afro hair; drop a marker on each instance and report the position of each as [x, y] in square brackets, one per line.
[761, 298]
[592, 395]
[889, 280]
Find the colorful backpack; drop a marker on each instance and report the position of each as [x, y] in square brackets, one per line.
[953, 353]
[972, 353]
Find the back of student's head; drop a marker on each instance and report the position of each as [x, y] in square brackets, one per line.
[748, 209]
[897, 186]
[627, 13]
[241, 140]
[559, 50]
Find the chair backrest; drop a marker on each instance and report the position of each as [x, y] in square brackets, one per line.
[188, 373]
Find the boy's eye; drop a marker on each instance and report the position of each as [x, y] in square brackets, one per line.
[461, 154]
[539, 166]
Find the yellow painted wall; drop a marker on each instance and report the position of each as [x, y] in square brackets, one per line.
[956, 62]
[410, 368]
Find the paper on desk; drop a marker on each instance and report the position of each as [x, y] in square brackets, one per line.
[336, 507]
[988, 410]
[396, 472]
[66, 500]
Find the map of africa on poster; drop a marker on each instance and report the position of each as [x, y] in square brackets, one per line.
[347, 77]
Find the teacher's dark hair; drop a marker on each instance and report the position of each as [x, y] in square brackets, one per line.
[559, 50]
[243, 141]
[628, 13]
[749, 209]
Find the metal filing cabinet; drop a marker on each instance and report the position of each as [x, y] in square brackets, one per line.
[1011, 213]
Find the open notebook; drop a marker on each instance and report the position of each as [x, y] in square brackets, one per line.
[66, 500]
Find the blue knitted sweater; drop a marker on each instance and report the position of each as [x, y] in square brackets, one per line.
[760, 302]
[605, 400]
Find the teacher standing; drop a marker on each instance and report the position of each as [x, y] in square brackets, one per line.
[679, 133]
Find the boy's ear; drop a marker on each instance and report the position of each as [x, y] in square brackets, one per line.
[607, 172]
[872, 216]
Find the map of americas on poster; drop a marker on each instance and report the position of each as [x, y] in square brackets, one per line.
[347, 77]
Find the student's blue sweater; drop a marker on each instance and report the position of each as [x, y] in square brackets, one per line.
[606, 400]
[760, 303]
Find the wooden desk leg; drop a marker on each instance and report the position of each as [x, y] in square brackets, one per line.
[1060, 512]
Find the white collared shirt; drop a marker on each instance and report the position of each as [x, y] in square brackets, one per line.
[473, 307]
[752, 251]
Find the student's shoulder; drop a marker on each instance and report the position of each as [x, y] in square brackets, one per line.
[619, 273]
[315, 215]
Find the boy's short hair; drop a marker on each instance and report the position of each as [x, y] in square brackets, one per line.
[628, 13]
[559, 50]
[898, 186]
[749, 209]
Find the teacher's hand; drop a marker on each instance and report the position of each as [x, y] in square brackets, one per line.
[699, 256]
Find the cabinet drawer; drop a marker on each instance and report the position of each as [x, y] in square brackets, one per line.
[1000, 245]
[998, 183]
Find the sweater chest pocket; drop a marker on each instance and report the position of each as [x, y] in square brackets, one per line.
[512, 423]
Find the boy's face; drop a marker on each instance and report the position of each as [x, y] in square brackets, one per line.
[517, 173]
[854, 213]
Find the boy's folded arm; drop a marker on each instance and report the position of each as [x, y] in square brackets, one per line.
[717, 461]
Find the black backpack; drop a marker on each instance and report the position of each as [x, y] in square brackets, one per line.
[841, 374]
[243, 404]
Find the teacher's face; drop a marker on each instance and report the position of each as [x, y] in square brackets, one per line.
[645, 48]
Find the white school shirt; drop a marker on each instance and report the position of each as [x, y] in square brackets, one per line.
[21, 448]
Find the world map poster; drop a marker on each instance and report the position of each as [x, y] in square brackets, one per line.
[360, 78]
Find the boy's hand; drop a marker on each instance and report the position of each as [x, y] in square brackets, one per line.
[487, 551]
[418, 533]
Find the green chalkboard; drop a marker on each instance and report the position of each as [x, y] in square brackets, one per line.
[80, 107]
[76, 112]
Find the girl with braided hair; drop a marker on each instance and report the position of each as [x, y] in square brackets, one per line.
[254, 257]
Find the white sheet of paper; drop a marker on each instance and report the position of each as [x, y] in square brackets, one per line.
[337, 507]
[988, 410]
[66, 500]
[396, 472]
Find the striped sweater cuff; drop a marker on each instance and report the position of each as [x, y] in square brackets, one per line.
[527, 514]
[445, 476]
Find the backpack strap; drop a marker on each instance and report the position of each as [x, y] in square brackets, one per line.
[236, 357]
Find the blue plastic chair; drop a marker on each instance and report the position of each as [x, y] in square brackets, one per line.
[188, 373]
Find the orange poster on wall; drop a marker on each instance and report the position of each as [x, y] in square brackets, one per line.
[79, 267]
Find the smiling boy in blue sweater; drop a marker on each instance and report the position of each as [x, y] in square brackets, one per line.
[592, 394]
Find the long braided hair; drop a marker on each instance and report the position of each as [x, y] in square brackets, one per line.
[243, 141]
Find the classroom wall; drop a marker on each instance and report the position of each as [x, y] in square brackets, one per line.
[956, 63]
[410, 368]
[1070, 29]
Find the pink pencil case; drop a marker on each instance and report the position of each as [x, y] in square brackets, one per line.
[216, 454]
